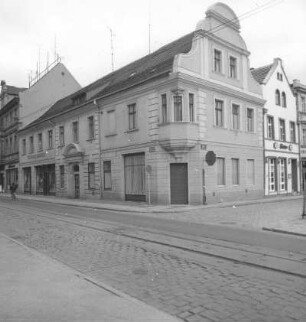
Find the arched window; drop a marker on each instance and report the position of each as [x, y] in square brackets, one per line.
[277, 97]
[284, 102]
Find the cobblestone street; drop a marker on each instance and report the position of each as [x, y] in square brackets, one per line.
[209, 289]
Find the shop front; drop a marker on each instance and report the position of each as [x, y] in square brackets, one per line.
[45, 180]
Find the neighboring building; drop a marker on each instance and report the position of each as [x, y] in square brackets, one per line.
[9, 122]
[182, 125]
[299, 91]
[281, 140]
[21, 106]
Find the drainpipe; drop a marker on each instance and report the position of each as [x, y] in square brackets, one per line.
[99, 140]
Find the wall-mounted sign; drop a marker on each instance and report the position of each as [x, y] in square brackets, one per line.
[210, 157]
[282, 146]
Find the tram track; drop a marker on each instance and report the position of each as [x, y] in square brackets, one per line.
[194, 249]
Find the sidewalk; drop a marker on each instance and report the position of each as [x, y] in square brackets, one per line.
[278, 214]
[36, 288]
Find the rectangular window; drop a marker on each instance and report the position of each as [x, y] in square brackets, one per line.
[75, 131]
[303, 100]
[236, 117]
[270, 130]
[132, 116]
[111, 121]
[31, 144]
[217, 61]
[178, 108]
[107, 174]
[11, 145]
[235, 171]
[15, 144]
[91, 175]
[282, 130]
[91, 129]
[304, 137]
[292, 132]
[191, 107]
[250, 120]
[39, 142]
[61, 135]
[219, 113]
[164, 108]
[272, 174]
[250, 171]
[221, 171]
[232, 67]
[62, 176]
[24, 146]
[50, 139]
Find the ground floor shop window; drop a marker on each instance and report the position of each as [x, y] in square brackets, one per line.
[45, 179]
[272, 174]
[62, 176]
[11, 177]
[27, 180]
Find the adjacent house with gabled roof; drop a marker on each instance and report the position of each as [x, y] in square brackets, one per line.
[281, 139]
[20, 106]
[182, 125]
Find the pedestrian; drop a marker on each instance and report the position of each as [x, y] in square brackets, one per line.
[13, 189]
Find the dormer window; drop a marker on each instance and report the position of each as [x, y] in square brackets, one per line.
[280, 76]
[79, 99]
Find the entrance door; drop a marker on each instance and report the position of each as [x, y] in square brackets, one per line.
[46, 184]
[76, 186]
[179, 183]
[294, 175]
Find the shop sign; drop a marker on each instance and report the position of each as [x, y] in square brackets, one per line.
[210, 157]
[282, 146]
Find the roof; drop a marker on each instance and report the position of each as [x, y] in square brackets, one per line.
[13, 90]
[11, 103]
[154, 65]
[260, 74]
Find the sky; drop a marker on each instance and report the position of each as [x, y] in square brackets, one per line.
[80, 33]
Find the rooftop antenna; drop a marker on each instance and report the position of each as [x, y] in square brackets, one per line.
[112, 48]
[149, 28]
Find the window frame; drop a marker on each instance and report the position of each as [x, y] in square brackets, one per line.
[250, 125]
[91, 127]
[191, 107]
[178, 108]
[277, 97]
[219, 123]
[132, 117]
[238, 116]
[164, 109]
[217, 61]
[233, 69]
[31, 144]
[235, 172]
[24, 146]
[272, 128]
[61, 134]
[39, 142]
[221, 182]
[292, 132]
[50, 139]
[75, 131]
[62, 176]
[282, 129]
[284, 99]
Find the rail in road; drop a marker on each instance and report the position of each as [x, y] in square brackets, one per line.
[190, 247]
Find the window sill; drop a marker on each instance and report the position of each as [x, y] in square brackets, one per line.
[90, 140]
[61, 146]
[110, 134]
[132, 130]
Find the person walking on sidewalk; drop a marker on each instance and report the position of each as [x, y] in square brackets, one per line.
[13, 189]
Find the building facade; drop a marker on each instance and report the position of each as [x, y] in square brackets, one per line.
[183, 125]
[281, 139]
[24, 106]
[299, 91]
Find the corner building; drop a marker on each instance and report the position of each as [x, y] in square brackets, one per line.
[182, 125]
